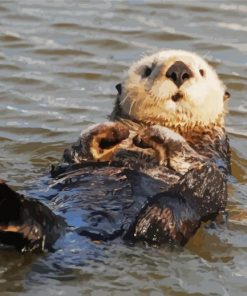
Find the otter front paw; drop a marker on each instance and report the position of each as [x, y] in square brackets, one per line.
[98, 142]
[170, 147]
[161, 139]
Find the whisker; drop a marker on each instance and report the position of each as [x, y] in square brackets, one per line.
[123, 100]
[131, 106]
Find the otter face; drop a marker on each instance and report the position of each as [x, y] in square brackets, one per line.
[173, 88]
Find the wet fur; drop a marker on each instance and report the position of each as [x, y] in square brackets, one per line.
[177, 138]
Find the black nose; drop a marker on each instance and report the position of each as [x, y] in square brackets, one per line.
[179, 73]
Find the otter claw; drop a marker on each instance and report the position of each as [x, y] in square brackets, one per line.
[139, 141]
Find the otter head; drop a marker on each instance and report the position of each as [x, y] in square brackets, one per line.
[172, 88]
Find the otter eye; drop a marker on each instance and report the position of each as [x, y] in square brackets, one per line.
[202, 72]
[147, 72]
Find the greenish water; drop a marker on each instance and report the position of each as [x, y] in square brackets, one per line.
[59, 63]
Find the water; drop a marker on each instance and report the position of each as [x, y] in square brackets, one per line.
[59, 63]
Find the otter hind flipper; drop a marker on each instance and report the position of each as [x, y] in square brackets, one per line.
[25, 223]
[175, 215]
[167, 219]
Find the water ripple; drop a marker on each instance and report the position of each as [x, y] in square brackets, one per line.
[59, 63]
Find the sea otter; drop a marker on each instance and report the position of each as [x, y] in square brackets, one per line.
[154, 172]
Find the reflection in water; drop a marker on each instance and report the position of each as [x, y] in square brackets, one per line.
[59, 63]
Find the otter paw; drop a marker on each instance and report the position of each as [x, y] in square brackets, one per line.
[98, 142]
[161, 139]
[171, 148]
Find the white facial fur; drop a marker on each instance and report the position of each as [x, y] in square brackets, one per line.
[149, 99]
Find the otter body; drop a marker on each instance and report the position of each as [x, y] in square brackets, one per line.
[154, 172]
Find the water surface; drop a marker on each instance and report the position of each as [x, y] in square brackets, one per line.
[59, 63]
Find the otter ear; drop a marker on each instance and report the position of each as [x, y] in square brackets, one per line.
[119, 88]
[226, 95]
